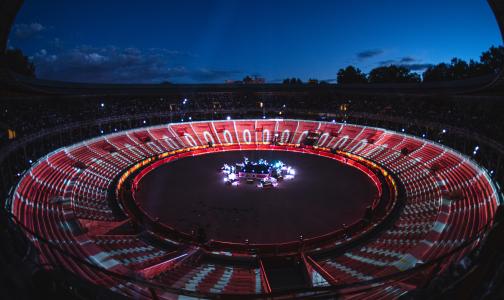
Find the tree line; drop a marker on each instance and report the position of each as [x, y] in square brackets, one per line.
[16, 61]
[490, 62]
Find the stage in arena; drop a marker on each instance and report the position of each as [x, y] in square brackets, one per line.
[190, 193]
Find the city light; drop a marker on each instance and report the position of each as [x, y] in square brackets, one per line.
[475, 150]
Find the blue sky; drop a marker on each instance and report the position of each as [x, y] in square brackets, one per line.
[211, 41]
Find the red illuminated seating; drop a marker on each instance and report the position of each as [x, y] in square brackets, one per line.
[448, 200]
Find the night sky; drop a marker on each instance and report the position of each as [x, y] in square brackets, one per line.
[211, 41]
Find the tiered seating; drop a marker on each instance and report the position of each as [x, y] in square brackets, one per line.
[419, 226]
[131, 251]
[448, 201]
[214, 278]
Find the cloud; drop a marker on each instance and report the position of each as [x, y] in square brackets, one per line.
[417, 67]
[122, 65]
[388, 62]
[408, 59]
[408, 62]
[41, 52]
[55, 43]
[369, 53]
[24, 31]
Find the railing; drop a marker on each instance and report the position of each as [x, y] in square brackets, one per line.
[453, 130]
[321, 291]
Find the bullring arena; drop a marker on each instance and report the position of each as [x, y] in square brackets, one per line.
[418, 206]
[184, 150]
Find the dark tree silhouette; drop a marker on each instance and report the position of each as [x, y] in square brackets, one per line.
[351, 74]
[459, 69]
[477, 69]
[439, 72]
[248, 79]
[393, 74]
[292, 81]
[16, 61]
[491, 62]
[493, 59]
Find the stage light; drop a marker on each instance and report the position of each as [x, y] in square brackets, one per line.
[145, 122]
[101, 131]
[444, 131]
[228, 118]
[190, 118]
[102, 105]
[30, 161]
[402, 130]
[261, 170]
[334, 121]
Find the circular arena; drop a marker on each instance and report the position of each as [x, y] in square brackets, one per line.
[383, 212]
[324, 195]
